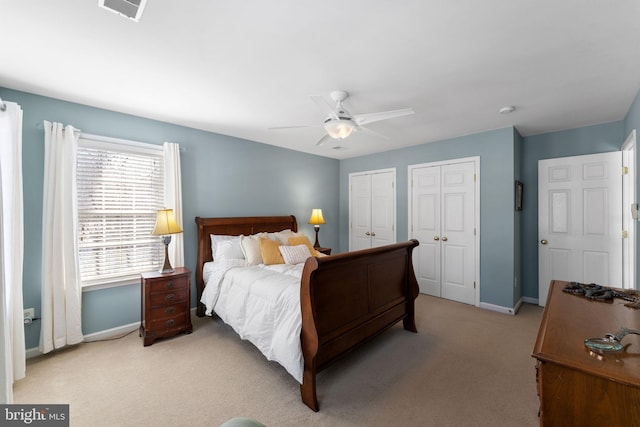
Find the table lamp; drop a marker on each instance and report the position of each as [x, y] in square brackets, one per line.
[316, 219]
[166, 225]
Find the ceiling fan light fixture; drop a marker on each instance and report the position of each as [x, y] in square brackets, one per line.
[339, 129]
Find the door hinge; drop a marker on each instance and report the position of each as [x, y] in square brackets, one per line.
[393, 184]
[625, 170]
[474, 177]
[625, 234]
[474, 231]
[474, 284]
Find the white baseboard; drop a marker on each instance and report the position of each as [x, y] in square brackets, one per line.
[32, 352]
[499, 308]
[530, 300]
[98, 336]
[112, 333]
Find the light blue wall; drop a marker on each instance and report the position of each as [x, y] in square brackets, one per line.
[631, 122]
[221, 176]
[517, 241]
[496, 151]
[586, 140]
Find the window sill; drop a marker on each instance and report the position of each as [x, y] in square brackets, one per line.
[128, 281]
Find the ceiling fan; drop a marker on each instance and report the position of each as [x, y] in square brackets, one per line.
[340, 123]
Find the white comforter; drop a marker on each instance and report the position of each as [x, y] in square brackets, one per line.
[262, 304]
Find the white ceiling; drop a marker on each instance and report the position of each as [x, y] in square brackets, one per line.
[240, 67]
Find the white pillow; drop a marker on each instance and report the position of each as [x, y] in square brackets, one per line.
[228, 249]
[295, 254]
[217, 238]
[282, 237]
[251, 248]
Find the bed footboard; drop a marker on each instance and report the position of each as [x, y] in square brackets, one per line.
[348, 299]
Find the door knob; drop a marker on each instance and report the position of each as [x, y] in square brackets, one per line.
[436, 238]
[373, 233]
[543, 241]
[367, 234]
[444, 238]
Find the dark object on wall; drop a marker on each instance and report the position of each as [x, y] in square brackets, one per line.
[519, 190]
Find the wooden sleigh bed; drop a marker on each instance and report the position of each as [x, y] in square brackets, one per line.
[345, 299]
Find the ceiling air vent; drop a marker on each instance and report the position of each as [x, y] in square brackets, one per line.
[131, 9]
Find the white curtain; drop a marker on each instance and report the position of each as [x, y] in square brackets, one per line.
[61, 289]
[173, 199]
[12, 345]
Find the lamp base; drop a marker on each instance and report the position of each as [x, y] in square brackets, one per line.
[166, 268]
[316, 245]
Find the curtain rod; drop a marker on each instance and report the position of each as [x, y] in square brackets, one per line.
[3, 106]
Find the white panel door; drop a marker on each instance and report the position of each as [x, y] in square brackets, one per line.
[372, 209]
[443, 221]
[383, 209]
[426, 228]
[360, 212]
[458, 240]
[580, 220]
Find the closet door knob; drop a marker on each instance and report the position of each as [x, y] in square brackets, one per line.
[367, 234]
[444, 238]
[543, 241]
[373, 234]
[436, 238]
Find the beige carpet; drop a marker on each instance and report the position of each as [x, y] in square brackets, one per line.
[465, 367]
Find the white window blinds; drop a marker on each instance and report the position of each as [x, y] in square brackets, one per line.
[119, 189]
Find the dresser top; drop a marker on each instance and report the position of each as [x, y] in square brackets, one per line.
[157, 274]
[570, 319]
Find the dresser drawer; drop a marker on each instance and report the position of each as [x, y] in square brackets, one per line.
[168, 285]
[169, 310]
[170, 297]
[176, 321]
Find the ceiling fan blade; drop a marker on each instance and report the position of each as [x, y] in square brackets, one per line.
[363, 119]
[323, 140]
[325, 106]
[370, 132]
[294, 127]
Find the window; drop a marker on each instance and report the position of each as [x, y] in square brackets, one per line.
[120, 186]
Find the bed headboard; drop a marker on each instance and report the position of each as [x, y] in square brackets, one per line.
[233, 226]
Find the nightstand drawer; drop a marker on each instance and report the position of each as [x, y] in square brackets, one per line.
[168, 285]
[178, 321]
[171, 297]
[168, 311]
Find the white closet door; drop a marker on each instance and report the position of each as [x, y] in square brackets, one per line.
[372, 209]
[426, 228]
[382, 209]
[443, 220]
[360, 212]
[457, 228]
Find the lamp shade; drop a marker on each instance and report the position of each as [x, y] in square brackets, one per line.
[316, 217]
[339, 129]
[166, 223]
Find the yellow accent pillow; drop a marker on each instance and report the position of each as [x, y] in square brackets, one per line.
[270, 252]
[303, 240]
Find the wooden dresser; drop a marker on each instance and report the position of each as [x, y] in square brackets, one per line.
[165, 300]
[577, 387]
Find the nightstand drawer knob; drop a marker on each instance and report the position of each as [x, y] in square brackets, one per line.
[170, 323]
[170, 285]
[170, 297]
[170, 310]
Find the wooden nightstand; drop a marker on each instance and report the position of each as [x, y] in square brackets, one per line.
[326, 251]
[164, 300]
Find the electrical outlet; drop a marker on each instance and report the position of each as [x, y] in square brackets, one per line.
[29, 313]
